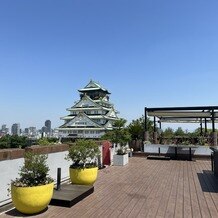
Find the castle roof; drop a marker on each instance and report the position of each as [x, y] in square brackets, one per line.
[81, 120]
[93, 86]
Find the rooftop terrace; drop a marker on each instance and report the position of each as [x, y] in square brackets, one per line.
[147, 188]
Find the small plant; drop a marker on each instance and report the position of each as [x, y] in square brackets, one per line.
[34, 172]
[119, 135]
[147, 142]
[83, 154]
[202, 140]
[121, 151]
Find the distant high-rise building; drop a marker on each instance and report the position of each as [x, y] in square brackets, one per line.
[48, 125]
[4, 130]
[4, 127]
[32, 130]
[26, 131]
[44, 129]
[15, 129]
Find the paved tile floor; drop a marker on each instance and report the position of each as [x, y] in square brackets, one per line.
[147, 188]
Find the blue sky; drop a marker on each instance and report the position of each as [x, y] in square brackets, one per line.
[150, 53]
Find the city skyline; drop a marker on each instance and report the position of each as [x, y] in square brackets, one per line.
[9, 128]
[31, 131]
[146, 53]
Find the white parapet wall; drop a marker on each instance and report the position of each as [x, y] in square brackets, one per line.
[9, 170]
[164, 149]
[9, 166]
[57, 160]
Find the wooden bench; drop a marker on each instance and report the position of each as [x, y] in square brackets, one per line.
[159, 157]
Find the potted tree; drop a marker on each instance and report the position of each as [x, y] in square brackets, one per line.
[32, 192]
[119, 136]
[84, 167]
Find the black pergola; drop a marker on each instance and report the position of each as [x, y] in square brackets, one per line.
[199, 114]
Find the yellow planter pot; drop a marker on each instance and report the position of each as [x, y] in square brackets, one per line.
[86, 176]
[30, 200]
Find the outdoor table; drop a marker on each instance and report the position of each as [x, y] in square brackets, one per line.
[214, 160]
[183, 146]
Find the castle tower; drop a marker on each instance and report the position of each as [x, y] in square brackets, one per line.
[91, 116]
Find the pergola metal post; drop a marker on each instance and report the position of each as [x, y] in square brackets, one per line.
[205, 125]
[155, 131]
[146, 133]
[201, 127]
[159, 124]
[213, 123]
[214, 134]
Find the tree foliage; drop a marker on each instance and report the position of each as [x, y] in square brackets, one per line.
[136, 127]
[179, 132]
[13, 141]
[168, 132]
[46, 141]
[119, 134]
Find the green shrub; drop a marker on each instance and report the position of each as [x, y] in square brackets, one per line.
[34, 172]
[83, 153]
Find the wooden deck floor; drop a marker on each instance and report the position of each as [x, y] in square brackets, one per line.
[147, 188]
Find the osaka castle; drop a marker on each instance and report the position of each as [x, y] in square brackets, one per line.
[91, 116]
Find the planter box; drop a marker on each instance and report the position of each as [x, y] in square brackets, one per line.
[120, 160]
[30, 200]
